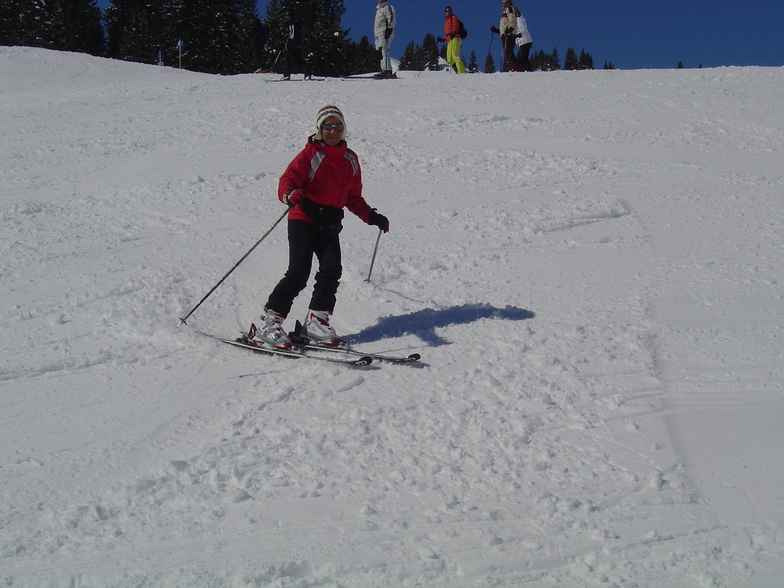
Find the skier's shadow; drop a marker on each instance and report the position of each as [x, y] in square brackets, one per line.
[423, 323]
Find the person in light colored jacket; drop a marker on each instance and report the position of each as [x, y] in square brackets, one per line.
[524, 42]
[384, 32]
[507, 28]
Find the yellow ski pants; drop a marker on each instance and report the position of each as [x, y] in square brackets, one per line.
[453, 54]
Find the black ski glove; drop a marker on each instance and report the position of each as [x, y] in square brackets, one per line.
[294, 197]
[494, 30]
[379, 220]
[440, 40]
[388, 32]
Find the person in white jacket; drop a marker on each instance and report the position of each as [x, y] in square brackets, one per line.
[524, 42]
[384, 32]
[507, 28]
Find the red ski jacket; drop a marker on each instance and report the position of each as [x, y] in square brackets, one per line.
[330, 176]
[451, 27]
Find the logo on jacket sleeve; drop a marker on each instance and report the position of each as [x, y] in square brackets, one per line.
[353, 160]
[318, 157]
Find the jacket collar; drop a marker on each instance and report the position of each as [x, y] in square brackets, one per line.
[337, 151]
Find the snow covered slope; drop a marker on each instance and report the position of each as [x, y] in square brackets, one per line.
[588, 262]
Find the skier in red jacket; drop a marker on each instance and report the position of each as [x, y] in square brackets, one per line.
[322, 180]
[453, 40]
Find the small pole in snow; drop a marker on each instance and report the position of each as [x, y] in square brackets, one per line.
[180, 45]
[375, 250]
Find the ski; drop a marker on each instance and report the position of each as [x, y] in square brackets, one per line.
[295, 80]
[296, 338]
[414, 357]
[297, 353]
[369, 78]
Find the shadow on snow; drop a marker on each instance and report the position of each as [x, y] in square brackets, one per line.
[423, 323]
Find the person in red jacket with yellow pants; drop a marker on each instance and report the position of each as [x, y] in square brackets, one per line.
[322, 180]
[453, 40]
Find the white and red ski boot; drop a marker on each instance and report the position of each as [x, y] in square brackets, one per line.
[318, 330]
[271, 333]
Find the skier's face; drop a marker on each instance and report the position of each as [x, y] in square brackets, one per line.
[330, 134]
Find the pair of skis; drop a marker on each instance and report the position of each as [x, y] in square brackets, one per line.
[324, 353]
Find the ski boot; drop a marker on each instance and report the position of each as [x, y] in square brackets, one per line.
[271, 333]
[318, 330]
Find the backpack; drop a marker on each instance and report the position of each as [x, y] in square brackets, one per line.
[462, 30]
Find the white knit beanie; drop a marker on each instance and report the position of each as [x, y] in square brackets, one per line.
[324, 114]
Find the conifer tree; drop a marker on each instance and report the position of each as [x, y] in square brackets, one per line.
[585, 61]
[326, 41]
[76, 26]
[545, 61]
[362, 57]
[25, 22]
[64, 25]
[139, 29]
[489, 64]
[430, 53]
[244, 56]
[409, 61]
[570, 61]
[473, 67]
[421, 58]
[205, 28]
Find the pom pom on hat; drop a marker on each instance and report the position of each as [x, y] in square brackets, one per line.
[324, 114]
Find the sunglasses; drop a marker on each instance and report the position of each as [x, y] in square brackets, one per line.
[332, 127]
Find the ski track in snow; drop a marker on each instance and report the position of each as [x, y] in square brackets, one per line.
[588, 263]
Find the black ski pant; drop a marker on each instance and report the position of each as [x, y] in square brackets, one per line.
[294, 62]
[510, 61]
[305, 241]
[522, 57]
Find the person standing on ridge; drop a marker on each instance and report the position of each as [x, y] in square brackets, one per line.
[507, 28]
[384, 32]
[322, 180]
[453, 40]
[293, 49]
[524, 41]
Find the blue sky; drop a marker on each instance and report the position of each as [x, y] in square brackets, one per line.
[633, 34]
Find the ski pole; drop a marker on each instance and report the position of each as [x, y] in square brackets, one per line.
[375, 250]
[503, 53]
[490, 49]
[215, 287]
[274, 63]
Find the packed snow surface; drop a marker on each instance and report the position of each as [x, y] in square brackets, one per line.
[589, 263]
